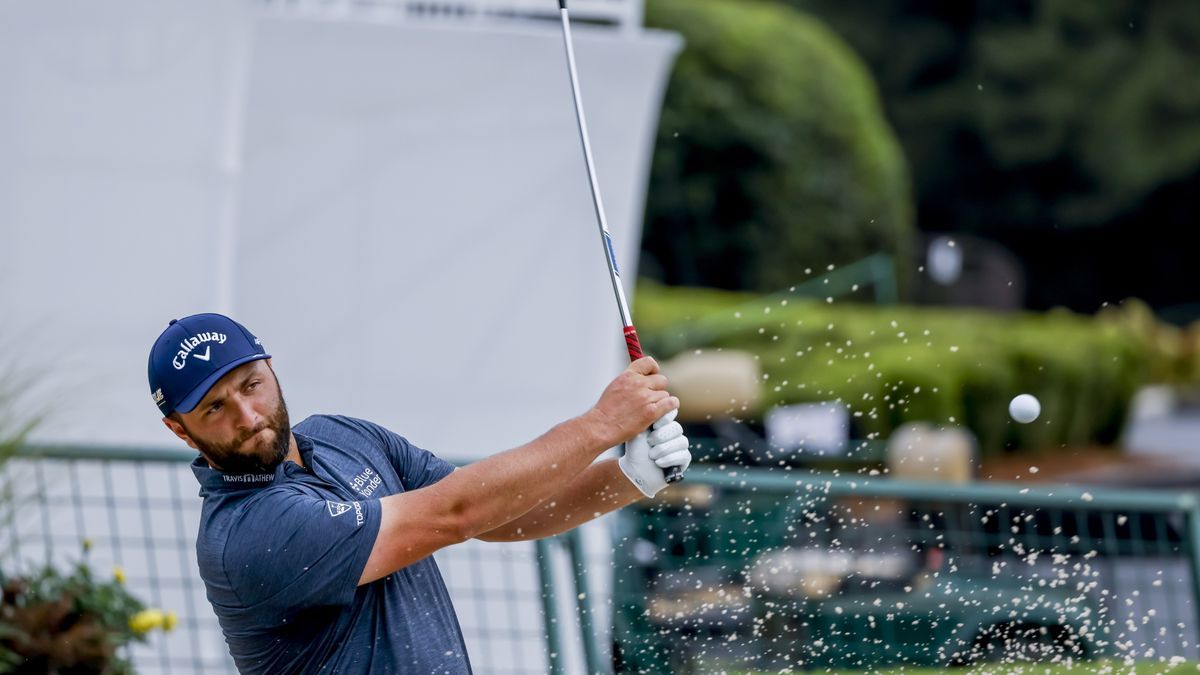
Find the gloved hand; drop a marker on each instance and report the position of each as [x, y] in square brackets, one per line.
[648, 453]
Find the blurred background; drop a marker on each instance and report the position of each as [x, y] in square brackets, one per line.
[852, 232]
[1025, 170]
[870, 227]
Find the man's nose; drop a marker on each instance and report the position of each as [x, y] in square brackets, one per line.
[247, 418]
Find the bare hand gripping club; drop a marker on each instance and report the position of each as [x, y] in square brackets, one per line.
[632, 344]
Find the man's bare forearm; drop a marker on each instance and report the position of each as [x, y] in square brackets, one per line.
[597, 490]
[504, 487]
[480, 497]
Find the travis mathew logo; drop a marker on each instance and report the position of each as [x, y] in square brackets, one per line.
[187, 346]
[248, 477]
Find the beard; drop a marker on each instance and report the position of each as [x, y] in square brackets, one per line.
[263, 454]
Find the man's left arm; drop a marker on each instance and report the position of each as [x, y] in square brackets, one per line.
[600, 488]
[604, 486]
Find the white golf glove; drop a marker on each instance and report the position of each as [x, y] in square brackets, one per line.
[650, 452]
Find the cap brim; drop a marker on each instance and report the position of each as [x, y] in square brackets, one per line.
[189, 402]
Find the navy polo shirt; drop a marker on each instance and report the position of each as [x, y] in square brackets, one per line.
[281, 554]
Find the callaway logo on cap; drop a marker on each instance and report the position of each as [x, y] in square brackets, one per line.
[192, 354]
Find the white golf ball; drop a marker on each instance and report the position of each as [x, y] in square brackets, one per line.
[1024, 408]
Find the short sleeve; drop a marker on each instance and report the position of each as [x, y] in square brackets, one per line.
[417, 467]
[291, 551]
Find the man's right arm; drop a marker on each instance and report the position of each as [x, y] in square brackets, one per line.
[485, 495]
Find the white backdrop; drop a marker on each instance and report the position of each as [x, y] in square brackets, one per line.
[112, 122]
[401, 212]
[417, 229]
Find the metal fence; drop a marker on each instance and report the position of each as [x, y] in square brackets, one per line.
[735, 569]
[748, 570]
[140, 512]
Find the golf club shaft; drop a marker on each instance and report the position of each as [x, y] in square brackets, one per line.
[632, 344]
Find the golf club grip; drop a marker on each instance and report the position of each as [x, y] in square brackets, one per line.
[634, 346]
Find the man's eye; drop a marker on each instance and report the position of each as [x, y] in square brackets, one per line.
[252, 386]
[213, 408]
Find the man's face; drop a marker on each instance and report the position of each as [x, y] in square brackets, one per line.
[241, 425]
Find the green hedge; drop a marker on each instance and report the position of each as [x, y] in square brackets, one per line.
[897, 364]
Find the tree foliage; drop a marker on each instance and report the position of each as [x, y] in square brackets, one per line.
[1049, 125]
[772, 154]
[1097, 92]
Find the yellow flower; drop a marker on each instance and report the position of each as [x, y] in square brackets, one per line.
[119, 575]
[87, 545]
[146, 620]
[169, 621]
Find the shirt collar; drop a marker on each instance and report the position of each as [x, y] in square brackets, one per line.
[305, 445]
[213, 481]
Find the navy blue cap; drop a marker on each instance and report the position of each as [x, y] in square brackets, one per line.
[192, 354]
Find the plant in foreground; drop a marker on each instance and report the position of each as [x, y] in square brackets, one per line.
[72, 623]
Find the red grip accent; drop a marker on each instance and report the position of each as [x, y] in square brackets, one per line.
[632, 344]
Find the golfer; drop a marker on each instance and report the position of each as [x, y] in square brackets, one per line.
[315, 541]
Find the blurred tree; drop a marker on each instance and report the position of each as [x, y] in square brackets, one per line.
[772, 155]
[1025, 119]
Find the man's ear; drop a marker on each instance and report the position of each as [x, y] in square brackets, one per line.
[177, 429]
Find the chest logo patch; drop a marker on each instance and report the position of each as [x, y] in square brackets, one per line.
[367, 482]
[336, 508]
